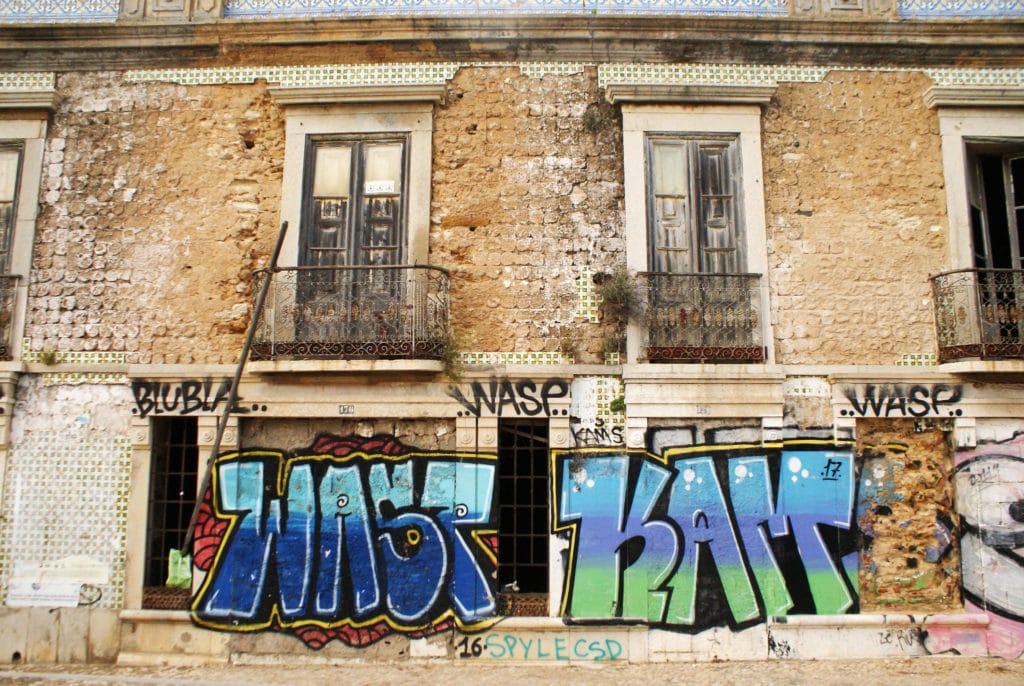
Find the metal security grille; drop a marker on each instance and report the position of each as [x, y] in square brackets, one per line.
[523, 506]
[172, 494]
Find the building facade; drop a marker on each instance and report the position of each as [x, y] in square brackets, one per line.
[511, 331]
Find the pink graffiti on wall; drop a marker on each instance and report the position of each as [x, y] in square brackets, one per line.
[989, 484]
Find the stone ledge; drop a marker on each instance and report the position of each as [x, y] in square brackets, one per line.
[30, 100]
[974, 96]
[341, 95]
[717, 373]
[993, 370]
[717, 93]
[877, 620]
[345, 367]
[133, 659]
[154, 616]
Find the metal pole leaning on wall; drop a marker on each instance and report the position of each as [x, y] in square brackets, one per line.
[261, 299]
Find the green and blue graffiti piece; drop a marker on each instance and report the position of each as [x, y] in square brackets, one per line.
[356, 538]
[704, 536]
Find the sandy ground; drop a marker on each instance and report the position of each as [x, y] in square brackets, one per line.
[928, 671]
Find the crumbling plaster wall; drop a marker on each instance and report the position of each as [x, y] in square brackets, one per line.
[158, 202]
[527, 194]
[856, 218]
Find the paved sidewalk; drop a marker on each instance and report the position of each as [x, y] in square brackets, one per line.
[929, 671]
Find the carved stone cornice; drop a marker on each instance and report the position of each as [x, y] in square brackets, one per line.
[170, 10]
[589, 40]
[974, 96]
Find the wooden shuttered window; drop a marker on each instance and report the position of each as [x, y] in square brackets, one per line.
[694, 201]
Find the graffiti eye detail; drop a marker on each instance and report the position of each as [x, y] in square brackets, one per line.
[1017, 511]
[461, 510]
[342, 500]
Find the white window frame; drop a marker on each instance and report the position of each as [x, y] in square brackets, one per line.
[359, 111]
[993, 113]
[30, 134]
[740, 116]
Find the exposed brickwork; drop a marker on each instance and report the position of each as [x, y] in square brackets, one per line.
[856, 218]
[158, 202]
[527, 191]
[910, 561]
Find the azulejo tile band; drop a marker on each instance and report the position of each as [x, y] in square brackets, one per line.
[514, 358]
[106, 11]
[411, 73]
[76, 378]
[961, 9]
[306, 77]
[760, 74]
[278, 9]
[586, 296]
[415, 73]
[69, 357]
[28, 81]
[58, 11]
[976, 77]
[917, 360]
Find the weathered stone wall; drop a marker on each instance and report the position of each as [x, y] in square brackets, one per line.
[527, 193]
[158, 202]
[856, 218]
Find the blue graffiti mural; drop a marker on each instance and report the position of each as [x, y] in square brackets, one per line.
[707, 535]
[352, 539]
[348, 535]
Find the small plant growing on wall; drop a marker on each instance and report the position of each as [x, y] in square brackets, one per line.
[619, 301]
[450, 355]
[598, 115]
[618, 294]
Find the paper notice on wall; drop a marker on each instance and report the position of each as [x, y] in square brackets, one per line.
[379, 188]
[79, 569]
[46, 594]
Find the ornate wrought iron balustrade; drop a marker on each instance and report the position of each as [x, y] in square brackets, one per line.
[979, 314]
[8, 291]
[704, 317]
[365, 312]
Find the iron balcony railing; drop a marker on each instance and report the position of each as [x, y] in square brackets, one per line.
[364, 312]
[703, 317]
[8, 292]
[979, 314]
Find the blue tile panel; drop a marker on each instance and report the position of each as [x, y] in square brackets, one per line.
[57, 11]
[961, 9]
[260, 9]
[106, 11]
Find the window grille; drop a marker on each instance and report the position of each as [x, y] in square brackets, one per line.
[172, 494]
[523, 518]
